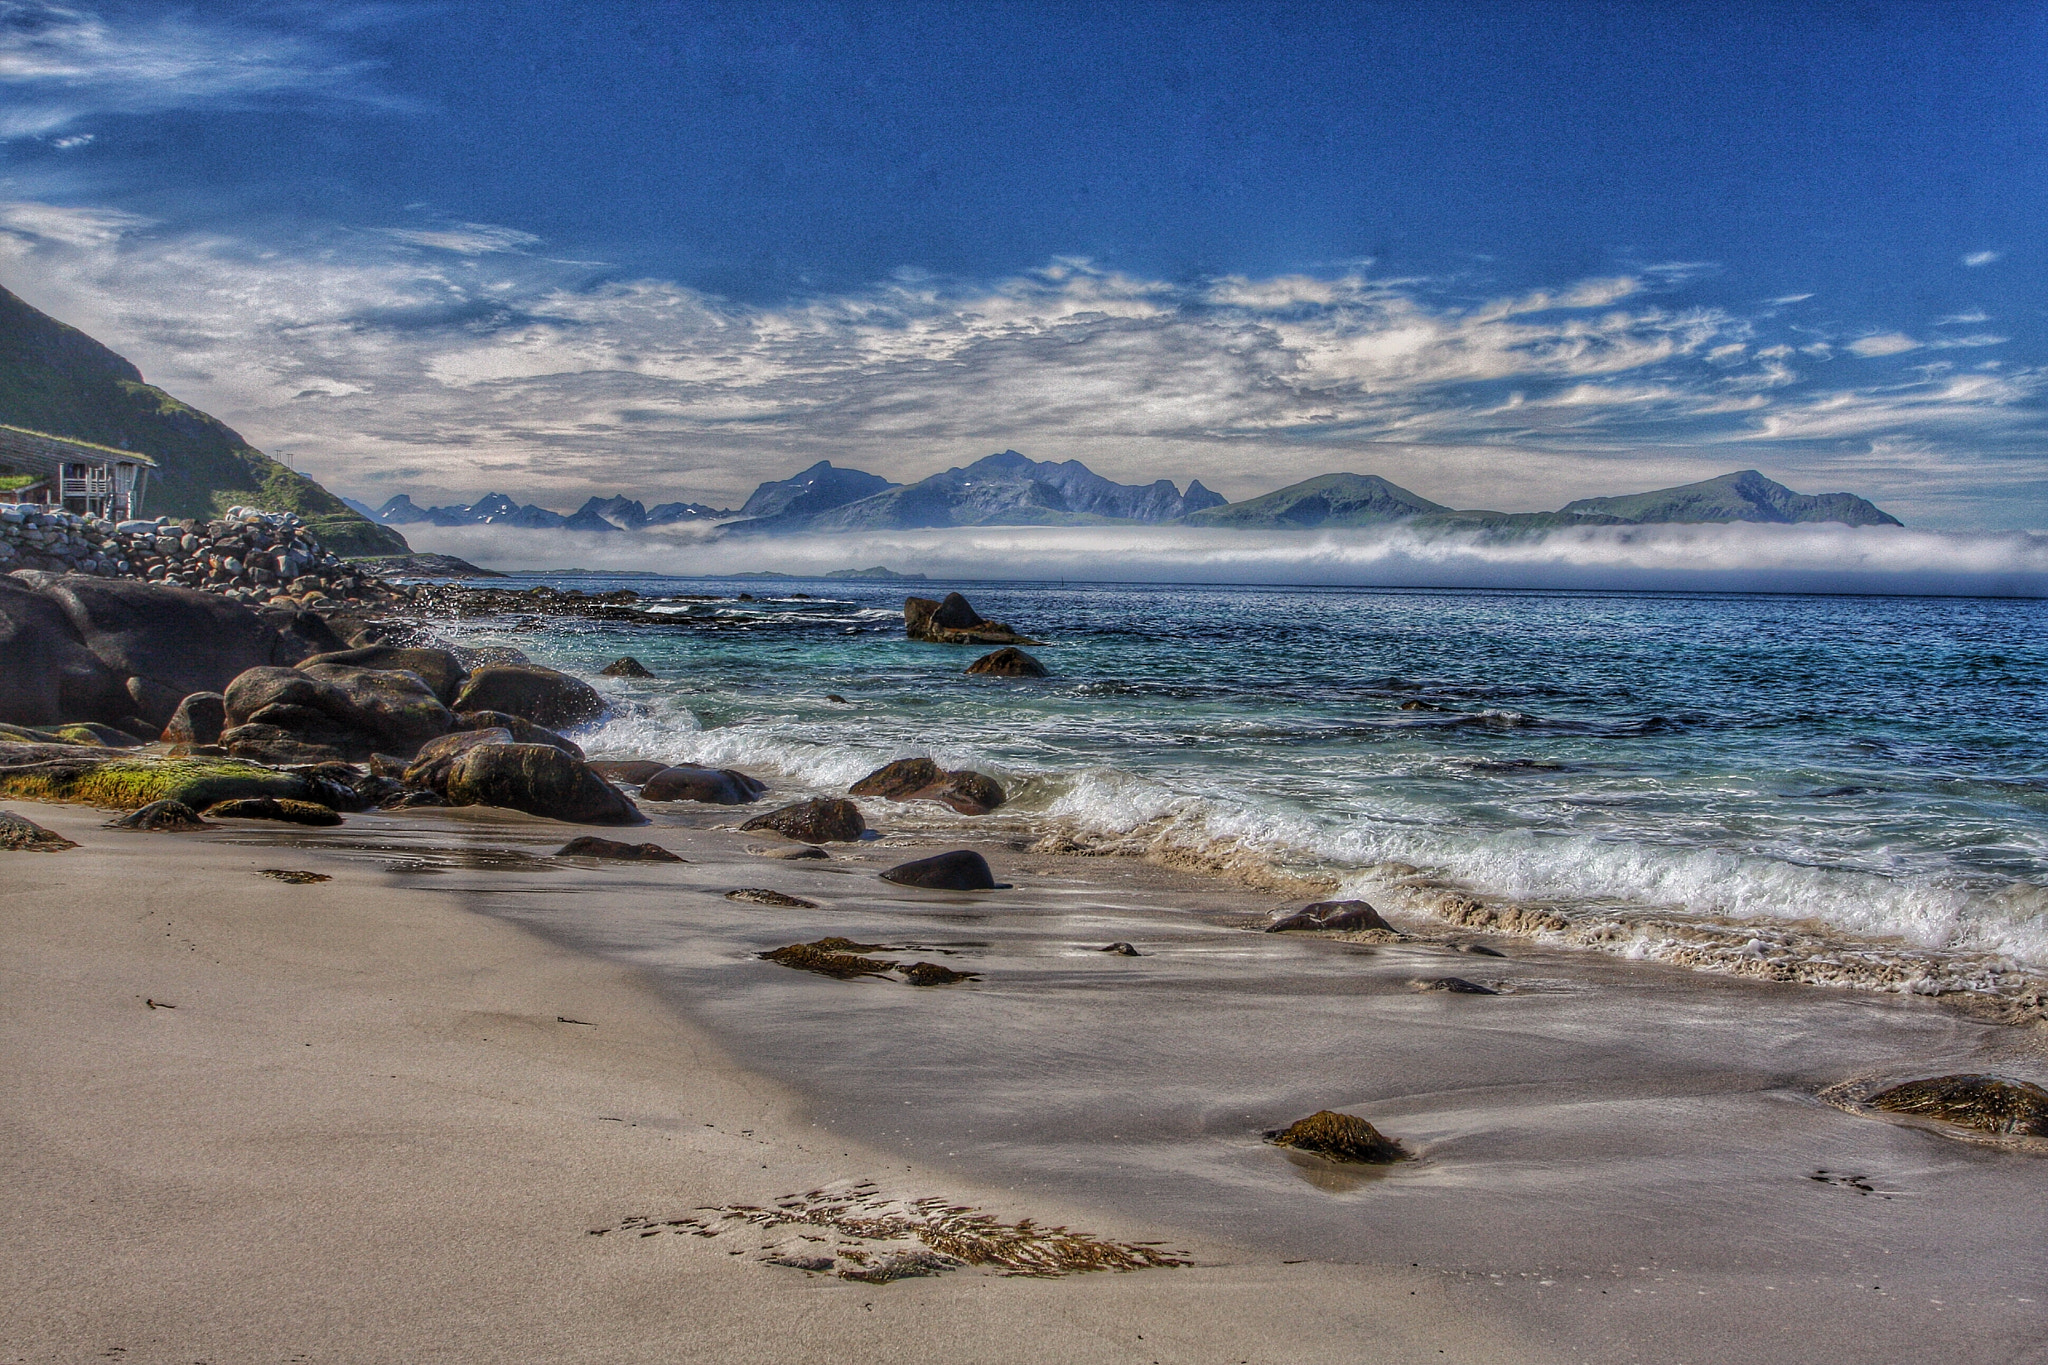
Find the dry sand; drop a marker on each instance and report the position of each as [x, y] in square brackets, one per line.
[355, 1128]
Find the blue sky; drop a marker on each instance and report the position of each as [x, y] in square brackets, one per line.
[1505, 255]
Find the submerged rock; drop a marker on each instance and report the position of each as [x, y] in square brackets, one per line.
[541, 695]
[272, 808]
[162, 817]
[932, 974]
[590, 846]
[761, 895]
[714, 786]
[821, 820]
[920, 779]
[1480, 950]
[960, 870]
[1454, 985]
[1121, 950]
[954, 622]
[539, 780]
[627, 667]
[21, 835]
[1009, 663]
[1348, 915]
[840, 957]
[1340, 1137]
[1991, 1104]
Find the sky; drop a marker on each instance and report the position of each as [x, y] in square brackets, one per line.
[1504, 255]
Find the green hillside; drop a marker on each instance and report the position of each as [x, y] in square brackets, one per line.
[1742, 496]
[56, 379]
[1327, 500]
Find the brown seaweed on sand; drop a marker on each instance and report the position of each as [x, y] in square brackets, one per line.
[838, 957]
[1340, 1137]
[761, 895]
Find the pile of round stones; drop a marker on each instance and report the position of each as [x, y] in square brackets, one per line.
[247, 555]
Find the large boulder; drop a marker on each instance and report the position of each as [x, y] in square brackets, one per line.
[523, 730]
[47, 674]
[430, 767]
[1327, 915]
[633, 770]
[538, 779]
[541, 695]
[353, 711]
[821, 820]
[199, 719]
[1008, 663]
[962, 870]
[714, 786]
[920, 779]
[437, 668]
[955, 622]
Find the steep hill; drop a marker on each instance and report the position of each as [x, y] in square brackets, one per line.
[818, 489]
[1742, 496]
[1326, 500]
[55, 378]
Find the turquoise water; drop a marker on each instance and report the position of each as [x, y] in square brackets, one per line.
[1873, 770]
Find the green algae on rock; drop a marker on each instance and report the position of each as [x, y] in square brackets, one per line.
[274, 808]
[1340, 1137]
[85, 777]
[21, 835]
[1990, 1104]
[838, 957]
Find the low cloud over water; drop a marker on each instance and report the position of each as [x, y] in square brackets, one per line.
[1739, 557]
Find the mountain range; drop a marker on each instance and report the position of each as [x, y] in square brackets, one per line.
[495, 509]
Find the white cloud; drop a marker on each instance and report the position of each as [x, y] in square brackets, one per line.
[1885, 343]
[1977, 258]
[465, 239]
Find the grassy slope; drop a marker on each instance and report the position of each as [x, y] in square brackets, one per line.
[55, 378]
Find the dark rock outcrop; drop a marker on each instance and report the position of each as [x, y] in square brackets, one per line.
[429, 767]
[161, 817]
[627, 667]
[961, 870]
[1991, 1104]
[590, 846]
[1340, 1137]
[1348, 915]
[272, 808]
[633, 770]
[1451, 985]
[763, 895]
[955, 622]
[21, 835]
[199, 719]
[438, 668]
[354, 712]
[523, 730]
[1008, 663]
[539, 780]
[47, 675]
[541, 695]
[713, 786]
[920, 779]
[821, 820]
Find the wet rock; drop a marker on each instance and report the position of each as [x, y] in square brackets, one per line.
[354, 711]
[1454, 985]
[932, 974]
[162, 817]
[954, 622]
[295, 876]
[590, 846]
[1480, 950]
[633, 770]
[1347, 915]
[961, 870]
[1991, 1104]
[539, 780]
[801, 853]
[541, 695]
[412, 800]
[21, 835]
[271, 808]
[920, 779]
[821, 820]
[273, 746]
[430, 767]
[1121, 950]
[117, 781]
[199, 719]
[840, 957]
[761, 895]
[438, 668]
[835, 698]
[714, 786]
[1340, 1137]
[628, 667]
[1009, 663]
[523, 730]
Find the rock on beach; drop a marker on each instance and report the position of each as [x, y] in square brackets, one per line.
[714, 786]
[821, 820]
[960, 870]
[920, 779]
[537, 779]
[1347, 915]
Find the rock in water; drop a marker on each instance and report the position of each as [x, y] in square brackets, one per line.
[199, 719]
[274, 808]
[1331, 915]
[523, 730]
[539, 780]
[901, 780]
[762, 895]
[633, 770]
[1454, 985]
[920, 779]
[1340, 1137]
[1009, 663]
[840, 957]
[954, 622]
[628, 667]
[715, 786]
[961, 870]
[955, 613]
[932, 974]
[590, 846]
[821, 820]
[541, 695]
[1121, 949]
[26, 836]
[1992, 1104]
[162, 817]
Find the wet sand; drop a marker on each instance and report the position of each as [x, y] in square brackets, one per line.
[353, 1121]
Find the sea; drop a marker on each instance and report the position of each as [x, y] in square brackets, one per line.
[1845, 790]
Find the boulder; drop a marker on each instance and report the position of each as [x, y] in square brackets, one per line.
[633, 770]
[1348, 915]
[523, 730]
[353, 711]
[269, 744]
[541, 695]
[1991, 1104]
[305, 631]
[272, 808]
[954, 622]
[1340, 1137]
[49, 772]
[920, 779]
[821, 820]
[590, 846]
[961, 870]
[199, 719]
[1009, 663]
[538, 779]
[161, 817]
[628, 667]
[840, 957]
[429, 768]
[1453, 985]
[21, 835]
[714, 786]
[437, 668]
[46, 673]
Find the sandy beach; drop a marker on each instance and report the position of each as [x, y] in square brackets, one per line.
[349, 1121]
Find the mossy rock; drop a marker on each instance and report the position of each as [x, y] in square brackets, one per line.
[838, 957]
[132, 783]
[274, 808]
[21, 835]
[1990, 1104]
[1340, 1137]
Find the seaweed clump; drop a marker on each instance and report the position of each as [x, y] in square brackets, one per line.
[26, 836]
[1340, 1137]
[294, 876]
[840, 957]
[761, 895]
[1991, 1104]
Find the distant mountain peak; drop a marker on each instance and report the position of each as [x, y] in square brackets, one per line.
[1745, 495]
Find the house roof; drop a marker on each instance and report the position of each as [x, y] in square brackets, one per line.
[40, 451]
